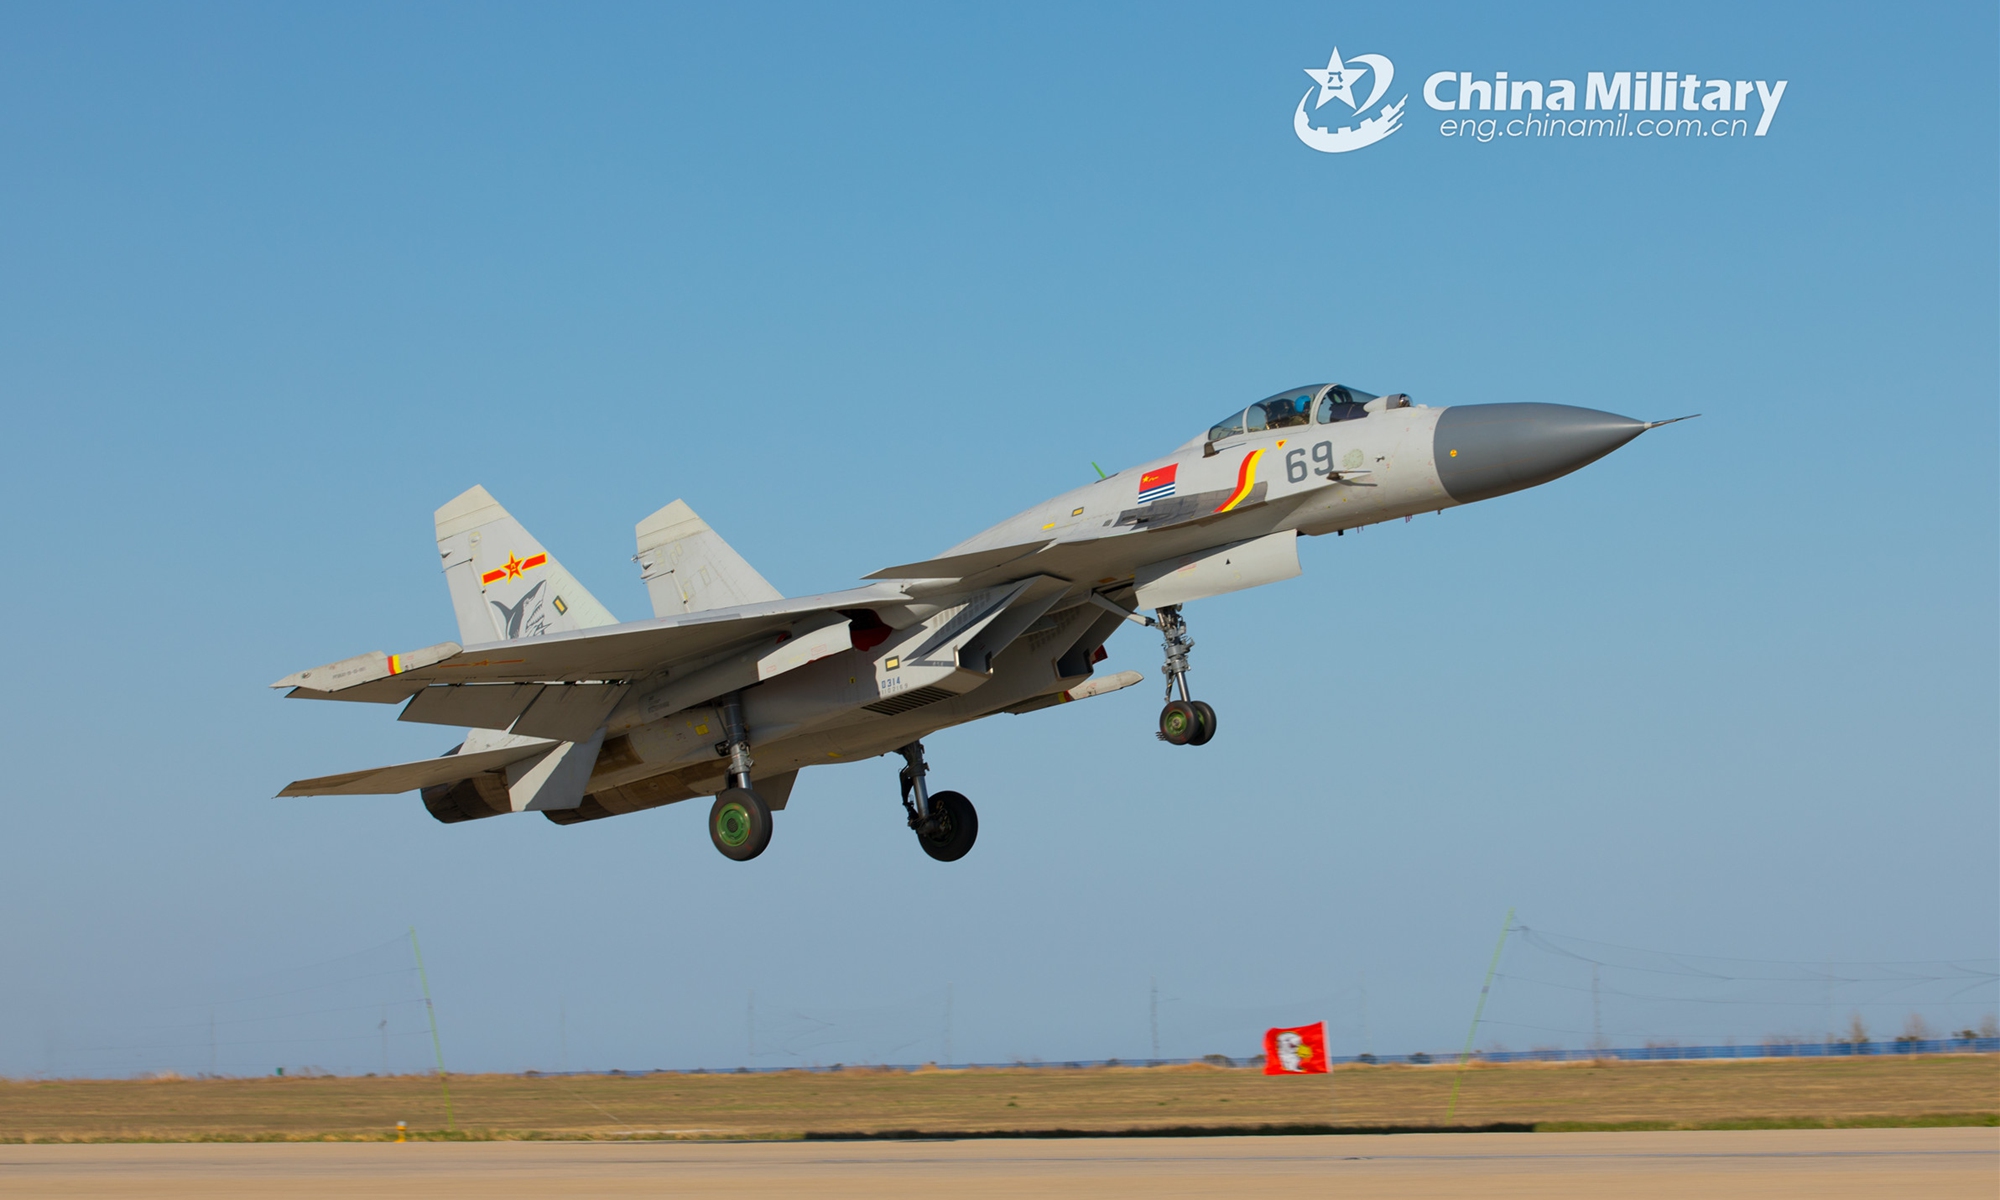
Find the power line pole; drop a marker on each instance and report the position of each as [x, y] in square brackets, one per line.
[1596, 1013]
[1484, 988]
[1154, 1014]
[947, 1023]
[750, 1024]
[450, 1124]
[1367, 1037]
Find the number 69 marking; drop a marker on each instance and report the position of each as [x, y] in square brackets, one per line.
[1295, 462]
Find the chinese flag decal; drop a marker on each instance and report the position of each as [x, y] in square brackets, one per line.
[1297, 1051]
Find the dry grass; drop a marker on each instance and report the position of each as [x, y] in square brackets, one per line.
[1947, 1089]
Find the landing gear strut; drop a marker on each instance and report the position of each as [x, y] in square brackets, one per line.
[739, 823]
[946, 824]
[1184, 721]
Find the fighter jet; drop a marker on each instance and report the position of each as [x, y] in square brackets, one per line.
[731, 689]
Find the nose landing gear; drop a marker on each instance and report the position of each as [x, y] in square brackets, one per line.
[1184, 721]
[946, 824]
[1187, 723]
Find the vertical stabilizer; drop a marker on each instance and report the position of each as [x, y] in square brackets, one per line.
[503, 584]
[689, 568]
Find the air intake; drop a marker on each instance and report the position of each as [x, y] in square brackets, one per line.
[912, 699]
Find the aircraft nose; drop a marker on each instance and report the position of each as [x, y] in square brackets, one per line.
[1486, 450]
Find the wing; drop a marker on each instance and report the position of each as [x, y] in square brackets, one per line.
[609, 656]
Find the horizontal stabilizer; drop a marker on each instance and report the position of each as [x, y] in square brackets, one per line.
[689, 568]
[405, 777]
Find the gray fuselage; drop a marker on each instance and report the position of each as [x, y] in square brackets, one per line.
[911, 667]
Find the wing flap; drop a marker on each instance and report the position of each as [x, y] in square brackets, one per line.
[567, 712]
[475, 705]
[380, 691]
[570, 712]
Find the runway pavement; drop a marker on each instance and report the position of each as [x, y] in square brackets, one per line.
[1935, 1163]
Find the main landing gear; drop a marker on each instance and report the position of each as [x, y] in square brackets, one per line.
[1184, 721]
[739, 823]
[945, 823]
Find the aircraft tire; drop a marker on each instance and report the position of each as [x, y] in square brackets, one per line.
[739, 823]
[956, 827]
[1178, 724]
[1204, 723]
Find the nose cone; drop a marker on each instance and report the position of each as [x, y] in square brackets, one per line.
[1486, 450]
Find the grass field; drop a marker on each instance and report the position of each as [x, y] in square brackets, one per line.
[1944, 1089]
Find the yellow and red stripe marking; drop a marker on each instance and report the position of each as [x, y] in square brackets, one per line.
[512, 568]
[1246, 478]
[395, 664]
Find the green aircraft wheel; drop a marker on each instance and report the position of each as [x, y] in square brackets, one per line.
[1178, 724]
[739, 824]
[1204, 723]
[953, 827]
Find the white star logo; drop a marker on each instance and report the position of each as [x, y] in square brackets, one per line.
[1337, 80]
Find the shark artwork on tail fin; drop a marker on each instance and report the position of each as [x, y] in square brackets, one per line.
[511, 618]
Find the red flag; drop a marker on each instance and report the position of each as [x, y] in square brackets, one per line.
[1297, 1051]
[1158, 483]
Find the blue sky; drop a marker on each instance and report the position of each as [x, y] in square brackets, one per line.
[859, 282]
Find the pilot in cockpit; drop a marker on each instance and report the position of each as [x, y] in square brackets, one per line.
[1284, 412]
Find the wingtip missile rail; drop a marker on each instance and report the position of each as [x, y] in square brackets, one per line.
[366, 668]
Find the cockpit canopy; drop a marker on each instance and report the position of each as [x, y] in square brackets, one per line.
[1317, 403]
